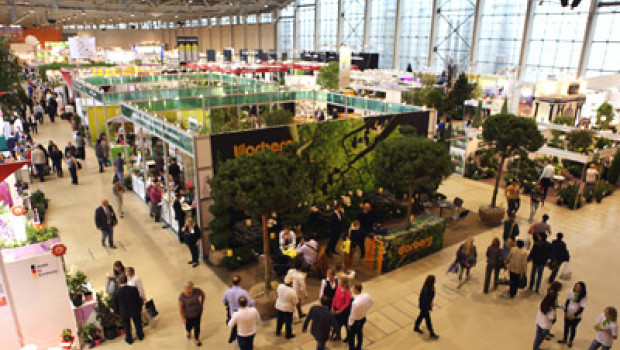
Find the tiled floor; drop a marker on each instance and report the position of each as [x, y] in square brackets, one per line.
[464, 318]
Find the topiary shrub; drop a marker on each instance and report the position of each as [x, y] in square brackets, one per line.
[614, 170]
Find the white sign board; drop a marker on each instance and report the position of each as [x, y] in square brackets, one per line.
[82, 48]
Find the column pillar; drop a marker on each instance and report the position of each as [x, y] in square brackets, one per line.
[431, 39]
[367, 23]
[525, 41]
[587, 39]
[397, 25]
[340, 25]
[473, 51]
[317, 24]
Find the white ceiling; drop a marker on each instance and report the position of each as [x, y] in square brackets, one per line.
[41, 12]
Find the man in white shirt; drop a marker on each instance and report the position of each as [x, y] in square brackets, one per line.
[546, 179]
[285, 304]
[362, 302]
[287, 239]
[245, 319]
[591, 175]
[135, 281]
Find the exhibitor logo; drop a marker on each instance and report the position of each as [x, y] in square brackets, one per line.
[242, 149]
[42, 270]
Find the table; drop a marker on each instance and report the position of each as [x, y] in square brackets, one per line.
[559, 179]
[443, 204]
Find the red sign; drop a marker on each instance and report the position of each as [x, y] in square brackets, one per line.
[59, 249]
[17, 210]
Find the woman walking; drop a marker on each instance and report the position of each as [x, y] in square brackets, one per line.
[573, 309]
[466, 256]
[191, 303]
[341, 306]
[535, 197]
[544, 318]
[606, 329]
[427, 294]
[191, 237]
[494, 264]
[118, 190]
[56, 156]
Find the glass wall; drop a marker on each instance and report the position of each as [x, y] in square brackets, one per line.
[382, 31]
[328, 18]
[285, 31]
[501, 31]
[605, 43]
[305, 26]
[556, 41]
[353, 23]
[455, 25]
[415, 24]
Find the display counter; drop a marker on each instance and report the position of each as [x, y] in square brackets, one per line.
[404, 246]
[138, 187]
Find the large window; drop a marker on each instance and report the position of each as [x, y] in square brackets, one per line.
[382, 31]
[455, 25]
[285, 31]
[305, 26]
[605, 43]
[415, 28]
[557, 36]
[328, 19]
[501, 32]
[353, 23]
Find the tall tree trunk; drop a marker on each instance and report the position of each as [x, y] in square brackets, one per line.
[409, 205]
[499, 176]
[266, 254]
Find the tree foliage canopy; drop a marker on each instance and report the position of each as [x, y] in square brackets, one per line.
[462, 91]
[510, 135]
[278, 117]
[328, 76]
[409, 161]
[10, 78]
[264, 182]
[580, 140]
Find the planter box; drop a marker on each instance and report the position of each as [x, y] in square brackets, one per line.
[491, 216]
[216, 256]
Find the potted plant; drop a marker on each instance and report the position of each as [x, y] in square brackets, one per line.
[109, 321]
[66, 338]
[508, 136]
[89, 334]
[77, 287]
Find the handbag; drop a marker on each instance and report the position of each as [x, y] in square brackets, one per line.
[523, 282]
[454, 267]
[345, 246]
[565, 272]
[149, 306]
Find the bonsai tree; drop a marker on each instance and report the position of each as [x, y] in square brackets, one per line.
[328, 76]
[476, 122]
[508, 136]
[259, 185]
[505, 106]
[614, 170]
[579, 140]
[409, 68]
[408, 163]
[604, 115]
[10, 79]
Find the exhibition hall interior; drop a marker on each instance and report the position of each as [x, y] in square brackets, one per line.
[309, 174]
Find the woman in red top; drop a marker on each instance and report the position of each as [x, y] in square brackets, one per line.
[341, 306]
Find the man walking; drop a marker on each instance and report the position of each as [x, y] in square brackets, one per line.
[105, 220]
[516, 264]
[128, 304]
[335, 228]
[323, 322]
[119, 166]
[546, 179]
[38, 160]
[559, 255]
[243, 322]
[539, 256]
[156, 195]
[231, 301]
[99, 152]
[362, 302]
[179, 214]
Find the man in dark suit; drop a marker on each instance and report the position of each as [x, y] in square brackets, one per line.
[335, 226]
[323, 322]
[105, 220]
[179, 215]
[128, 304]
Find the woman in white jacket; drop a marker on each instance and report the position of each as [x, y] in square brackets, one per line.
[299, 284]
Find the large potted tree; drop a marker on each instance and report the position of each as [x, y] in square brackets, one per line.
[259, 185]
[12, 93]
[408, 163]
[507, 135]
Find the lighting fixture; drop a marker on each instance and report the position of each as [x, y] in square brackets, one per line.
[132, 15]
[575, 4]
[564, 3]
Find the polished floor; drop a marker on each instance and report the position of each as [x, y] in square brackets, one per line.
[464, 318]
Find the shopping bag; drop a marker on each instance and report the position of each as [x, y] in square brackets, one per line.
[150, 308]
[291, 253]
[565, 272]
[454, 267]
[345, 246]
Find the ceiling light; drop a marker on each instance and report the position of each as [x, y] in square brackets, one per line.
[132, 15]
[564, 3]
[575, 4]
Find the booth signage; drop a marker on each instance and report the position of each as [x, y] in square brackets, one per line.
[160, 128]
[80, 86]
[59, 249]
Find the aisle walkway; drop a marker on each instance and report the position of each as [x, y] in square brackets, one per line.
[464, 318]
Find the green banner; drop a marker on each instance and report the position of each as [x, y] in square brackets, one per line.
[82, 87]
[402, 247]
[159, 128]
